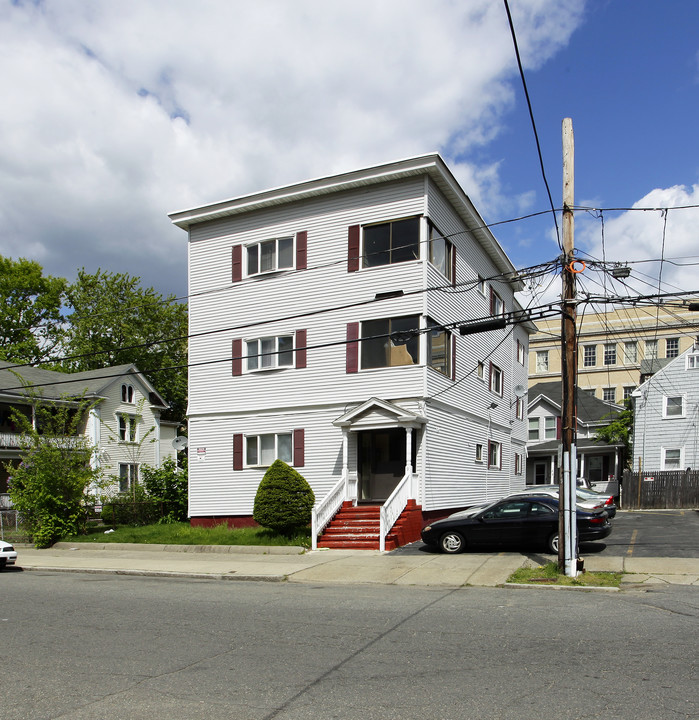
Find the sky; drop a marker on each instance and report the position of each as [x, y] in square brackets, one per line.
[116, 113]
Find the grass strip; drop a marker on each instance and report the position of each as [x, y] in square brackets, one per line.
[549, 575]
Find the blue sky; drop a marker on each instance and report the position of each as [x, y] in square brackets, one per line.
[118, 113]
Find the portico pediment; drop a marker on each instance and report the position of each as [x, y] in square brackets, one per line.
[376, 413]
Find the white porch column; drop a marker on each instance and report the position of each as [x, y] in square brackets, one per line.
[409, 460]
[581, 469]
[553, 479]
[345, 461]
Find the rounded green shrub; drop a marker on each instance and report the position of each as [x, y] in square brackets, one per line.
[284, 499]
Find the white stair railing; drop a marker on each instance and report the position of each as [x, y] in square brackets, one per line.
[393, 507]
[324, 511]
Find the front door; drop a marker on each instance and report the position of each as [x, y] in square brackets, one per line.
[381, 462]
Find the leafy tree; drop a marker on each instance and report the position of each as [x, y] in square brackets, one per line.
[619, 431]
[113, 321]
[168, 484]
[50, 486]
[284, 499]
[31, 318]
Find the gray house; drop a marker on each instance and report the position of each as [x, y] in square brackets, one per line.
[666, 407]
[598, 463]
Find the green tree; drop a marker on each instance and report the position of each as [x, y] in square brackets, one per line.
[284, 499]
[31, 318]
[168, 485]
[619, 432]
[50, 486]
[114, 321]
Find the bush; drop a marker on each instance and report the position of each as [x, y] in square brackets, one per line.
[284, 499]
[168, 485]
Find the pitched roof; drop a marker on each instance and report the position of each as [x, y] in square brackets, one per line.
[589, 408]
[54, 385]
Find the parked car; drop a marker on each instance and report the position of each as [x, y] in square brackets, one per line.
[588, 499]
[8, 555]
[519, 520]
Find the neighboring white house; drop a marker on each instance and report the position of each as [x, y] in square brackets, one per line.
[324, 331]
[666, 413]
[124, 425]
[598, 463]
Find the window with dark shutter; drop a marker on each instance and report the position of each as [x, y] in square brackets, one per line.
[236, 263]
[352, 351]
[301, 342]
[353, 248]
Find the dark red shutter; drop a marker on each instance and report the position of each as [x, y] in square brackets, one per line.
[492, 301]
[352, 359]
[299, 447]
[301, 342]
[558, 428]
[453, 357]
[353, 248]
[453, 265]
[237, 360]
[490, 377]
[238, 451]
[236, 263]
[301, 250]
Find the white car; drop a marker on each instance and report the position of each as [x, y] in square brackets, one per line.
[8, 555]
[587, 499]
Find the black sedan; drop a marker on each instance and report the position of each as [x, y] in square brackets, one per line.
[516, 520]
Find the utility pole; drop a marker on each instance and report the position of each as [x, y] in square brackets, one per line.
[567, 525]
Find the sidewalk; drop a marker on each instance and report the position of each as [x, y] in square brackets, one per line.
[278, 564]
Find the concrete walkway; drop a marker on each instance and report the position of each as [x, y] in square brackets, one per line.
[277, 564]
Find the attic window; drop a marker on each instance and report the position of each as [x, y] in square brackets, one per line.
[127, 394]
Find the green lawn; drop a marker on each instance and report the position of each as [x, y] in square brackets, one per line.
[184, 534]
[549, 575]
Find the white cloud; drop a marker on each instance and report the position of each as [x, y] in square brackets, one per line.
[118, 112]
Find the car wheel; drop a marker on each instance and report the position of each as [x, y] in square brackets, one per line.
[452, 542]
[553, 543]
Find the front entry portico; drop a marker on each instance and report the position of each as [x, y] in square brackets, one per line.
[382, 461]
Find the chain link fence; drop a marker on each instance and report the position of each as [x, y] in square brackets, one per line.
[11, 527]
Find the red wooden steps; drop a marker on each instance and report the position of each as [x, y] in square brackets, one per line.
[357, 527]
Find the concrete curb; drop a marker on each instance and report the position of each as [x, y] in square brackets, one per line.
[160, 573]
[589, 588]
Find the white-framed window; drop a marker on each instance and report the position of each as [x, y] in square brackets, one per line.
[630, 352]
[441, 253]
[542, 361]
[263, 450]
[550, 428]
[481, 285]
[673, 406]
[628, 389]
[497, 304]
[692, 361]
[519, 408]
[589, 355]
[651, 350]
[521, 352]
[672, 458]
[269, 352]
[128, 476]
[479, 453]
[494, 454]
[128, 428]
[127, 394]
[534, 428]
[391, 242]
[672, 347]
[439, 348]
[390, 342]
[497, 378]
[610, 354]
[480, 370]
[609, 394]
[270, 255]
[518, 464]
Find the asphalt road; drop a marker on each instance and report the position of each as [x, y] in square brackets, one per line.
[89, 647]
[647, 533]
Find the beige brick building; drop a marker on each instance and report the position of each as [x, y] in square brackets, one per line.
[616, 349]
